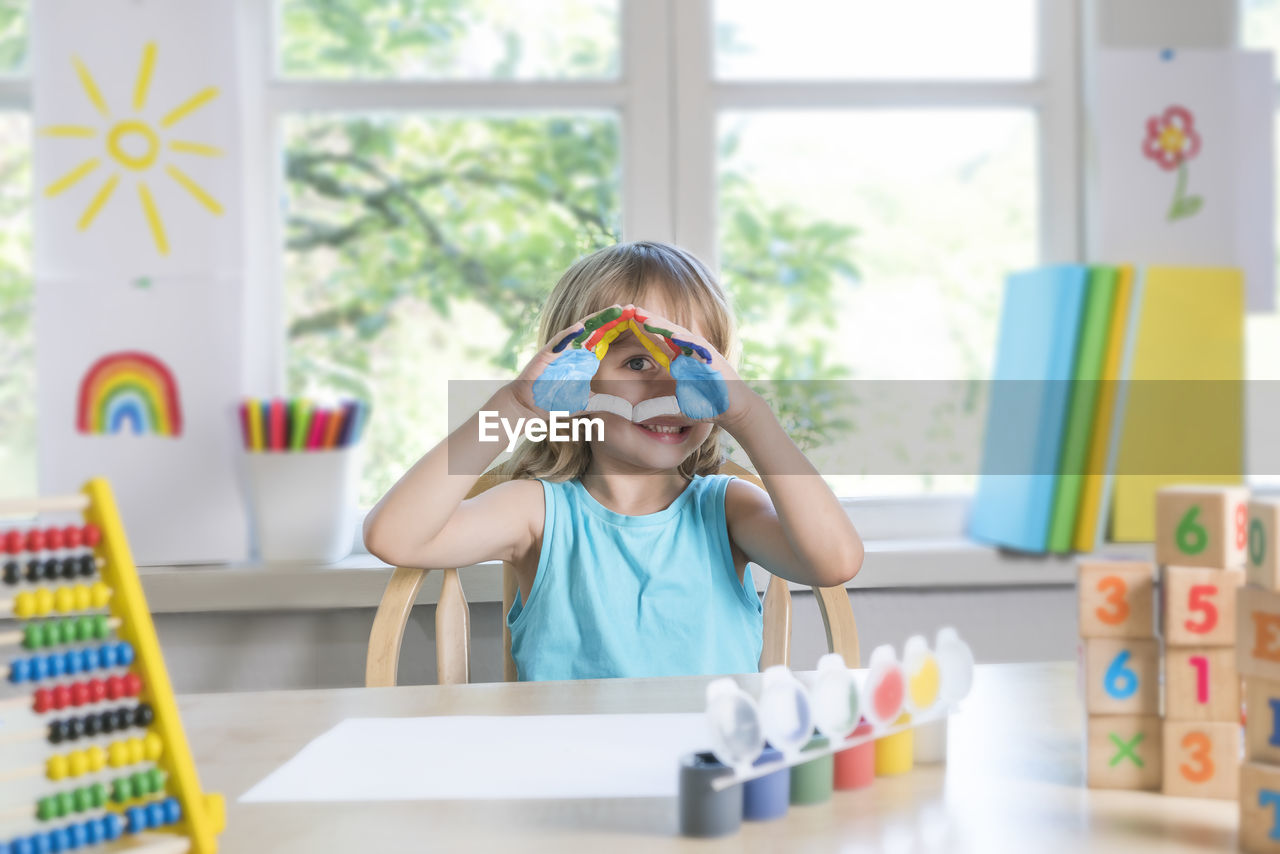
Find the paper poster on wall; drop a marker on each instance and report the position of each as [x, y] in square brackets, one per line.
[1183, 140]
[136, 138]
[139, 384]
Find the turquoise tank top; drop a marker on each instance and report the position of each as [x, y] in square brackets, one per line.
[652, 595]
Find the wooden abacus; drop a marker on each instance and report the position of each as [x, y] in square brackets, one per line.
[85, 642]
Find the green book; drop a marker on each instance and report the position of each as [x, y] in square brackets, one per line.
[1099, 302]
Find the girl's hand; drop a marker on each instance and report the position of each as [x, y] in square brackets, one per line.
[741, 400]
[522, 389]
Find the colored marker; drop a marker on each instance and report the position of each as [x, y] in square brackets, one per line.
[277, 424]
[319, 419]
[301, 421]
[254, 408]
[331, 430]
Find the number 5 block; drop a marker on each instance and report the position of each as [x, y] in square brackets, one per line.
[1201, 684]
[1122, 676]
[1124, 752]
[1263, 566]
[1116, 599]
[1258, 634]
[1202, 526]
[1199, 605]
[1259, 808]
[1201, 760]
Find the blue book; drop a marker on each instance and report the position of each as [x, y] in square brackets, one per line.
[1027, 415]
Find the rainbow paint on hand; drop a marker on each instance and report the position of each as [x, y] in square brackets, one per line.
[565, 385]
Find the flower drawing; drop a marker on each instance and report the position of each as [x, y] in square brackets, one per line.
[1171, 141]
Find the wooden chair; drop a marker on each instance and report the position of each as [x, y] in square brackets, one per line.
[453, 619]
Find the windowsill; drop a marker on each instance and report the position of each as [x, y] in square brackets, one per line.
[358, 581]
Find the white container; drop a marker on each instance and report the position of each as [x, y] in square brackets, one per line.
[304, 503]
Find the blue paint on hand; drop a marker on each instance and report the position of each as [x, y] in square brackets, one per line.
[565, 385]
[700, 389]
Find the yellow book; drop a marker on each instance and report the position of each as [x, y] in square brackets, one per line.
[1102, 439]
[1177, 427]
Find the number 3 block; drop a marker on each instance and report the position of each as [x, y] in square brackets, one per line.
[1116, 599]
[1201, 760]
[1201, 684]
[1122, 677]
[1124, 752]
[1258, 633]
[1202, 526]
[1259, 808]
[1264, 557]
[1199, 605]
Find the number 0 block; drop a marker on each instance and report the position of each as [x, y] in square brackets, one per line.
[1202, 526]
[1201, 760]
[1258, 633]
[1124, 752]
[1262, 724]
[1116, 599]
[1201, 684]
[1122, 676]
[1199, 605]
[1263, 565]
[1259, 808]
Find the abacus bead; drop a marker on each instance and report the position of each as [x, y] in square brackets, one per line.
[123, 719]
[18, 671]
[108, 721]
[155, 814]
[11, 572]
[78, 835]
[100, 594]
[155, 779]
[57, 841]
[42, 701]
[137, 819]
[77, 694]
[112, 826]
[92, 536]
[13, 542]
[132, 684]
[69, 568]
[96, 689]
[97, 795]
[56, 732]
[137, 750]
[121, 790]
[80, 797]
[49, 569]
[33, 570]
[24, 605]
[60, 663]
[56, 767]
[82, 597]
[35, 540]
[113, 686]
[92, 725]
[143, 715]
[74, 728]
[172, 810]
[71, 536]
[64, 803]
[41, 844]
[23, 846]
[64, 600]
[88, 565]
[77, 766]
[124, 652]
[62, 696]
[44, 601]
[53, 538]
[117, 754]
[154, 746]
[106, 656]
[93, 831]
[101, 627]
[96, 757]
[46, 809]
[32, 636]
[38, 667]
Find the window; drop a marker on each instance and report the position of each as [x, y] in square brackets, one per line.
[1260, 20]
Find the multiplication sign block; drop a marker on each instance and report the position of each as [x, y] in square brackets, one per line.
[1124, 752]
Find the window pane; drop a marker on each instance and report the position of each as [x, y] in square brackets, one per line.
[421, 249]
[449, 39]
[1260, 25]
[17, 332]
[902, 39]
[13, 36]
[883, 237]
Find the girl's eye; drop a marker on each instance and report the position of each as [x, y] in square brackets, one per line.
[637, 363]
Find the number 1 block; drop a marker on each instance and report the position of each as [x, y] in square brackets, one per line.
[1262, 724]
[1202, 525]
[1263, 565]
[1116, 599]
[1124, 752]
[1201, 760]
[1199, 605]
[1201, 684]
[1122, 676]
[1259, 808]
[1258, 633]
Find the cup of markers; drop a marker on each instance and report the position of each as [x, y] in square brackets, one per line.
[303, 471]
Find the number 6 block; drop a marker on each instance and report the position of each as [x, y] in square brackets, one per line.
[1201, 760]
[1116, 598]
[1263, 567]
[1199, 605]
[1202, 526]
[1122, 676]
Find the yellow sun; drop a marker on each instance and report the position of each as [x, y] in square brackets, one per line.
[135, 145]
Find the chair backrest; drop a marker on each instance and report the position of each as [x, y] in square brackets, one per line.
[453, 618]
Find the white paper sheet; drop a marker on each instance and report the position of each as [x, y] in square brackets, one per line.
[1229, 97]
[179, 496]
[481, 757]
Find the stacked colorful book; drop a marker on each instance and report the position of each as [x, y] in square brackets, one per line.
[1109, 383]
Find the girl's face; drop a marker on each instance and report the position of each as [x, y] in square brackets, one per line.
[630, 372]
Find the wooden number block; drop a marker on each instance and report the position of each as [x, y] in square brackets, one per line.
[1201, 684]
[1263, 563]
[1122, 676]
[1116, 599]
[1262, 722]
[1202, 525]
[1198, 606]
[1201, 760]
[1258, 633]
[1259, 808]
[1124, 752]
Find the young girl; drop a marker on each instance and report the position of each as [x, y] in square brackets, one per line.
[630, 550]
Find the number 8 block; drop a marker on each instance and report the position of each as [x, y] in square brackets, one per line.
[1116, 599]
[1202, 526]
[1199, 605]
[1121, 676]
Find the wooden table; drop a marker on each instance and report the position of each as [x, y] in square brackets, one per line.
[1013, 780]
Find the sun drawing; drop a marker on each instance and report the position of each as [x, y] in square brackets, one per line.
[132, 144]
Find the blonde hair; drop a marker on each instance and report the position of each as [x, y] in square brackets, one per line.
[623, 274]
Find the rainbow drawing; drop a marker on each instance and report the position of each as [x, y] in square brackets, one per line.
[129, 391]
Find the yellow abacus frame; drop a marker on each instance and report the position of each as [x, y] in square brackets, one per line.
[203, 815]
